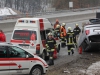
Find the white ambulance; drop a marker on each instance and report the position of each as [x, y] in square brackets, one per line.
[31, 33]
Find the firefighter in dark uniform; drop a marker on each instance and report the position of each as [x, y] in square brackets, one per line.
[70, 41]
[50, 45]
[57, 31]
[76, 31]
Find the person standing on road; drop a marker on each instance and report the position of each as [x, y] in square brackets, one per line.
[63, 35]
[2, 36]
[57, 31]
[70, 41]
[57, 22]
[50, 45]
[76, 31]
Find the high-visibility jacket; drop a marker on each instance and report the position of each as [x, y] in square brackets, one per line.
[63, 32]
[70, 38]
[2, 37]
[50, 43]
[57, 32]
[76, 31]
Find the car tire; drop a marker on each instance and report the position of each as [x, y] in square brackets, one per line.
[36, 70]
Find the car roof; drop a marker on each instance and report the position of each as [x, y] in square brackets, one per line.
[30, 18]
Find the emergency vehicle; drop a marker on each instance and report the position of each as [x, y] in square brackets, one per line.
[31, 33]
[15, 60]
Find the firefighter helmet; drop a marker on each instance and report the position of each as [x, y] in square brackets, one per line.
[76, 24]
[58, 26]
[49, 34]
[63, 24]
[69, 28]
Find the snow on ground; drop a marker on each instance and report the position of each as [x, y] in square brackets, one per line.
[6, 11]
[93, 69]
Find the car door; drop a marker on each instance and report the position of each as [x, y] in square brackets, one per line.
[4, 61]
[18, 56]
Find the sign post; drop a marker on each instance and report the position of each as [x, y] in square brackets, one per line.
[70, 5]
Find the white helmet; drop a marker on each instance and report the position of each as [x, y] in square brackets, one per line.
[58, 26]
[69, 28]
[76, 24]
[63, 24]
[49, 34]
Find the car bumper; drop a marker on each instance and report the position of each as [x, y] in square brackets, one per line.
[45, 70]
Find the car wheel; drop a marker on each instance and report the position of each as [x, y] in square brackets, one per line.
[44, 55]
[36, 70]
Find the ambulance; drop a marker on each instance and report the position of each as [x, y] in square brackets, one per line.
[31, 33]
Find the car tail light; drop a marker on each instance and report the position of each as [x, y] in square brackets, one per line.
[38, 47]
[87, 32]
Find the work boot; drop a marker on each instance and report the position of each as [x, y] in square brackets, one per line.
[68, 53]
[72, 51]
[51, 62]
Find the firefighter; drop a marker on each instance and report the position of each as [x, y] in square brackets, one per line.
[76, 31]
[57, 22]
[50, 45]
[2, 36]
[70, 41]
[63, 35]
[57, 31]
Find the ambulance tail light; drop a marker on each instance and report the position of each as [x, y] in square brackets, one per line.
[38, 49]
[87, 32]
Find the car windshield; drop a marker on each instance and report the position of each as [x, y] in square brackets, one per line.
[24, 35]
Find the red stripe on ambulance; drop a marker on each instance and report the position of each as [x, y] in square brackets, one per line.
[20, 59]
[20, 41]
[8, 64]
[41, 24]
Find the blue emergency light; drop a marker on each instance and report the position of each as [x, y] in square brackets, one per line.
[32, 21]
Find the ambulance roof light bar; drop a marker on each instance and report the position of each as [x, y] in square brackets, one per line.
[21, 20]
[32, 21]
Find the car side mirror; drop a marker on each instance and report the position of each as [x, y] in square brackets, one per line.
[27, 56]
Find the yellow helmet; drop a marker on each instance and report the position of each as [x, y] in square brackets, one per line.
[58, 26]
[76, 24]
[69, 28]
[49, 34]
[63, 24]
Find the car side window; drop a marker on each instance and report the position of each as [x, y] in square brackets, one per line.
[16, 52]
[3, 52]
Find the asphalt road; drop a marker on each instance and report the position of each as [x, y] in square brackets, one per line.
[62, 56]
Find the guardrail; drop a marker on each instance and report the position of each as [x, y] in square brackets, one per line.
[44, 13]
